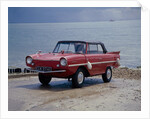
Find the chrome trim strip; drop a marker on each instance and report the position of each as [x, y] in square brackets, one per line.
[72, 65]
[45, 60]
[91, 63]
[102, 62]
[56, 71]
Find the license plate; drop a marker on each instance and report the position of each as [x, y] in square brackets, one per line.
[44, 68]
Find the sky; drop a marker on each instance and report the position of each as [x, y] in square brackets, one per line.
[71, 14]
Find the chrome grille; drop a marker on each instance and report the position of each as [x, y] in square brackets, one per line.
[44, 68]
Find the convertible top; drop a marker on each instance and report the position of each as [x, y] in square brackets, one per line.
[80, 42]
[102, 44]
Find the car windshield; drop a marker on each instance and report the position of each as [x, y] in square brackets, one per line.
[69, 47]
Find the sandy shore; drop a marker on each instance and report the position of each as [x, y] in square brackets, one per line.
[121, 94]
[27, 94]
[124, 73]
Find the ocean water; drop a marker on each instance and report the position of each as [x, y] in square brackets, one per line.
[27, 38]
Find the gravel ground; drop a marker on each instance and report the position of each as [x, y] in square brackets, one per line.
[127, 73]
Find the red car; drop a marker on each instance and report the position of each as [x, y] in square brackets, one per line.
[74, 60]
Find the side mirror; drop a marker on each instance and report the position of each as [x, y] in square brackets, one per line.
[39, 52]
[62, 51]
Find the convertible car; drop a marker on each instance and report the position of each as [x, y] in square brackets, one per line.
[74, 60]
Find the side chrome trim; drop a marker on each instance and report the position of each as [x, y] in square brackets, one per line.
[56, 71]
[72, 65]
[45, 60]
[103, 62]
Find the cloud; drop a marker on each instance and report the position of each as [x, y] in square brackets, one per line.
[96, 14]
[72, 14]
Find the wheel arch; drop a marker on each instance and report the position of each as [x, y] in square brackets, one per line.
[111, 66]
[86, 71]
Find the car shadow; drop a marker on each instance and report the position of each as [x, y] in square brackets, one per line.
[61, 85]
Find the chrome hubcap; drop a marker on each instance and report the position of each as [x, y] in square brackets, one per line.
[108, 74]
[80, 77]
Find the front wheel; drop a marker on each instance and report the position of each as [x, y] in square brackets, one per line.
[78, 78]
[44, 79]
[107, 75]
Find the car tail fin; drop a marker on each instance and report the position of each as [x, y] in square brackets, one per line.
[117, 52]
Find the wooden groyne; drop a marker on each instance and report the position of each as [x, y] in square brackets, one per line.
[13, 69]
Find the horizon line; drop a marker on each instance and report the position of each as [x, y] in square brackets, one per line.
[79, 21]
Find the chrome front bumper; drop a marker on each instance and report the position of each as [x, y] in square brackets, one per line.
[56, 71]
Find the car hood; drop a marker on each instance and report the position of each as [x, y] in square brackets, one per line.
[49, 56]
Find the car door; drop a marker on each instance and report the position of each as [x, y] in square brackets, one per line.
[101, 56]
[94, 58]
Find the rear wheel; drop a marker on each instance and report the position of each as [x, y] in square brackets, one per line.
[44, 79]
[107, 75]
[78, 78]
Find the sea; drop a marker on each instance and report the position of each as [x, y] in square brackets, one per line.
[28, 38]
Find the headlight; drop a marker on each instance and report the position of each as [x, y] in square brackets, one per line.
[29, 60]
[63, 62]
